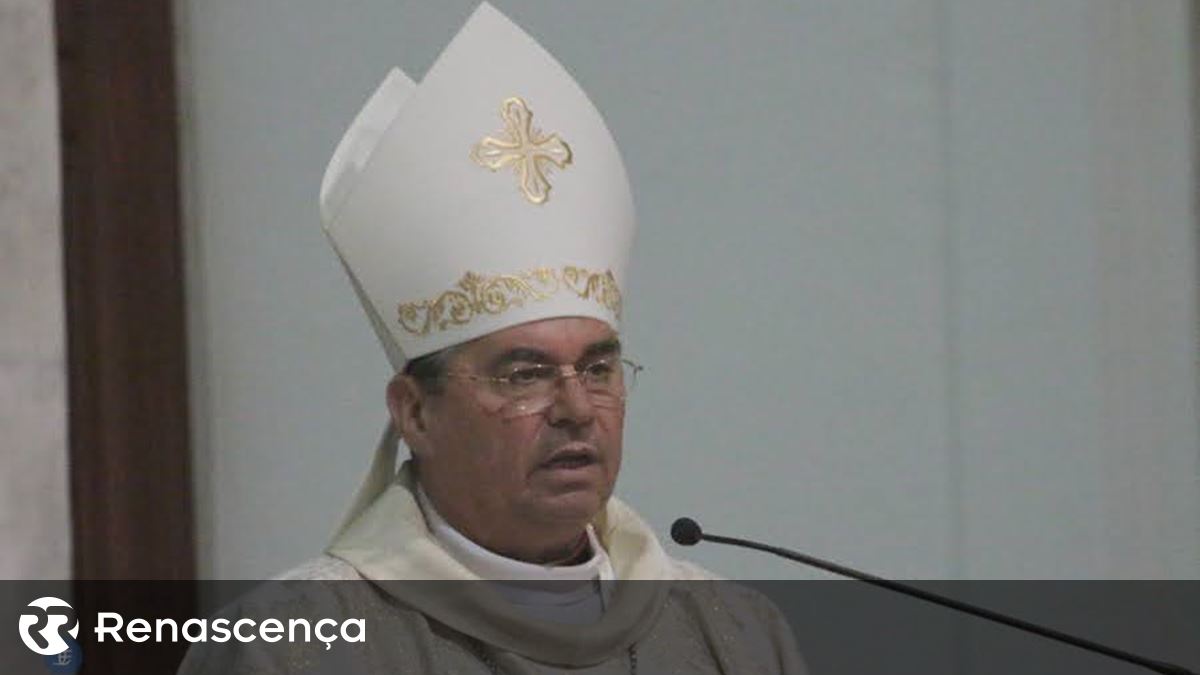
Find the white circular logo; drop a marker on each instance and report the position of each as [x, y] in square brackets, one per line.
[48, 624]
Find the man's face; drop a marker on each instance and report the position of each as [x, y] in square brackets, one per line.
[508, 481]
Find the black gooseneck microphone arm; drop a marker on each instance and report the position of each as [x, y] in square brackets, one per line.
[687, 532]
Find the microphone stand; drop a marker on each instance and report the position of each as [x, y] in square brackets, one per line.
[687, 532]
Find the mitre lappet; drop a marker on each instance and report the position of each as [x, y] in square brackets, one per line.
[488, 195]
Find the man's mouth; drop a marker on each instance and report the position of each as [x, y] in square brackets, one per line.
[571, 458]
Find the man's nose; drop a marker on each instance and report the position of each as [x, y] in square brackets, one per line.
[571, 404]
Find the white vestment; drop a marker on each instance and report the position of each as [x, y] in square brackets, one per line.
[428, 612]
[562, 593]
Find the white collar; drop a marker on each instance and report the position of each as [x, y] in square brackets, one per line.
[488, 565]
[388, 541]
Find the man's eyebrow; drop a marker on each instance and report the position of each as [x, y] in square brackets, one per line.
[531, 355]
[602, 348]
[520, 354]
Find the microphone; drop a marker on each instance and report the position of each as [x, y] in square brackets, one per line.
[687, 532]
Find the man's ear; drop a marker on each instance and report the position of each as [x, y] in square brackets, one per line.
[406, 403]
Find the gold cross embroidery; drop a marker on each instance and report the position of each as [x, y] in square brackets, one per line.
[524, 147]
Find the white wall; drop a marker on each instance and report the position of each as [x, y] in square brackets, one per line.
[34, 501]
[915, 280]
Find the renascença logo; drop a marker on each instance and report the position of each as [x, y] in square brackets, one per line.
[53, 619]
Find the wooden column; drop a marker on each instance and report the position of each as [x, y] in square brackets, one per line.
[124, 282]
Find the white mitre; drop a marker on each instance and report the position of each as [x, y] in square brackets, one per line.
[489, 195]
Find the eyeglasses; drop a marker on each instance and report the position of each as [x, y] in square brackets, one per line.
[532, 389]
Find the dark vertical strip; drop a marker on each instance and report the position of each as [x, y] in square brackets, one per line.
[131, 503]
[126, 352]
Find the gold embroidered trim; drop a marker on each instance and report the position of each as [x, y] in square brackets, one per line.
[530, 153]
[476, 294]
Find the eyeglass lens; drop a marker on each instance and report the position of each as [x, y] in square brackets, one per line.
[535, 389]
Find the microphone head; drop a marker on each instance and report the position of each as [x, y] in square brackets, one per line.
[686, 532]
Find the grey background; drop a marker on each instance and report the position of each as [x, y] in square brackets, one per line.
[915, 281]
[35, 520]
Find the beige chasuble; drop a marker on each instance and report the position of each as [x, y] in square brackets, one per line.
[427, 612]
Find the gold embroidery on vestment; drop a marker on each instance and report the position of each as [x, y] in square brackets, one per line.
[476, 294]
[523, 146]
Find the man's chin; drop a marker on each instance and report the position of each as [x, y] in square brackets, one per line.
[576, 507]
